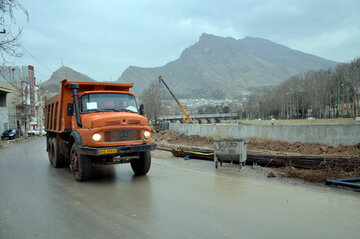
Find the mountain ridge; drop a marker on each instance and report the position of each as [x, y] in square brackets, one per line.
[52, 85]
[217, 67]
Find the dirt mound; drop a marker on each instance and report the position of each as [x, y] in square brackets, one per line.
[260, 146]
[171, 137]
[303, 148]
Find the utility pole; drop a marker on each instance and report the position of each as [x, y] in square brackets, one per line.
[40, 112]
[337, 100]
[16, 124]
[342, 101]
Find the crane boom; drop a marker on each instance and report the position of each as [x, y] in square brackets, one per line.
[177, 101]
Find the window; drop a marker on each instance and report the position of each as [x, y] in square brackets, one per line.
[105, 102]
[2, 99]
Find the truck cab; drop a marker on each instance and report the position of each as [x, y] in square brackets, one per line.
[96, 123]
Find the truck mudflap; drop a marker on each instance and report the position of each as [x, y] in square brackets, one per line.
[116, 150]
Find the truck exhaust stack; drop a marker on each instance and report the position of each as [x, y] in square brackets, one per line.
[74, 87]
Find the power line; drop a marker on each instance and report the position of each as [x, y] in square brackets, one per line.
[43, 75]
[37, 60]
[37, 72]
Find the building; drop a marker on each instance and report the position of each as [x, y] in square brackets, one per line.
[22, 102]
[4, 116]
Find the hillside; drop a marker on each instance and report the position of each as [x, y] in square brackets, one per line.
[52, 85]
[216, 66]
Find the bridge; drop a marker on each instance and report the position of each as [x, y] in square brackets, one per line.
[201, 118]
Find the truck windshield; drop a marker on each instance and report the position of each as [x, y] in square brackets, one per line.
[108, 102]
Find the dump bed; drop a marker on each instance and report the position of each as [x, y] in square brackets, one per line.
[56, 118]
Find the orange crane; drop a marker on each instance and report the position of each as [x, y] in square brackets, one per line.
[177, 102]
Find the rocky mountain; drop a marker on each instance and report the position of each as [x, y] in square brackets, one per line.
[215, 67]
[52, 85]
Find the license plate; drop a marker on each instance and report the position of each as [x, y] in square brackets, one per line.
[107, 151]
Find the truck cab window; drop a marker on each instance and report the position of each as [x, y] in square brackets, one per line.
[104, 102]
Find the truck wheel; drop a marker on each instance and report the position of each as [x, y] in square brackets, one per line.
[50, 150]
[142, 165]
[58, 159]
[66, 161]
[80, 164]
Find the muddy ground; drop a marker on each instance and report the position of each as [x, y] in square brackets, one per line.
[169, 139]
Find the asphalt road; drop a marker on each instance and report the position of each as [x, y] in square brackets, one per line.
[177, 199]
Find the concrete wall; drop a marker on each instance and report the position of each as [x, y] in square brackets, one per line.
[334, 134]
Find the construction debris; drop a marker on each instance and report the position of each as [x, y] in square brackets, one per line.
[305, 162]
[260, 146]
[193, 152]
[317, 175]
[308, 161]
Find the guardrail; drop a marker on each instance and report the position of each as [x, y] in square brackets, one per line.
[199, 116]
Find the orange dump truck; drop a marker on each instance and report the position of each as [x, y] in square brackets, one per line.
[96, 123]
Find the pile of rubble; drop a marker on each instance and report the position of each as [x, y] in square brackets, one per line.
[260, 146]
[166, 138]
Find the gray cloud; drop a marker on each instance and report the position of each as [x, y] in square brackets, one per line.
[102, 38]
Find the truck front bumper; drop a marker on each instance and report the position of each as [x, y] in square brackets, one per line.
[114, 151]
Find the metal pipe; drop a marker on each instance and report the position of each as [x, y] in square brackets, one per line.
[344, 182]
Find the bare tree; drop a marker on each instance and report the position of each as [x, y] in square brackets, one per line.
[353, 76]
[9, 41]
[323, 93]
[152, 98]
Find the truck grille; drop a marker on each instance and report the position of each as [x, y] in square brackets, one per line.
[122, 135]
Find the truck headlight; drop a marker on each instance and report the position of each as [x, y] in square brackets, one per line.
[96, 137]
[147, 134]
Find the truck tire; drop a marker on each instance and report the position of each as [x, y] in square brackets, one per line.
[142, 165]
[58, 159]
[50, 150]
[80, 164]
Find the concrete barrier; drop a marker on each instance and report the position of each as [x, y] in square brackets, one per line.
[331, 134]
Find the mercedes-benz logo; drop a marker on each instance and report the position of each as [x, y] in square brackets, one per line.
[124, 134]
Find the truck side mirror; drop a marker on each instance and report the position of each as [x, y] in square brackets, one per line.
[70, 109]
[141, 109]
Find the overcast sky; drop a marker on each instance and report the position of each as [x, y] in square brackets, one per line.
[102, 38]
